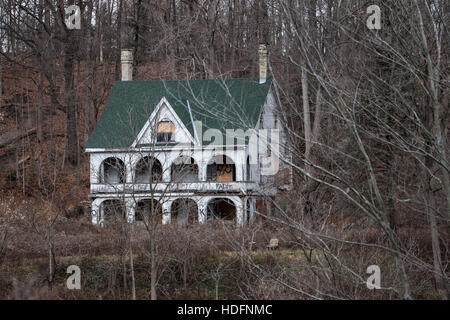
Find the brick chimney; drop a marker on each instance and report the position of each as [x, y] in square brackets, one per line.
[126, 58]
[262, 62]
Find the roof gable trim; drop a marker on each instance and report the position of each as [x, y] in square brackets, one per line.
[154, 114]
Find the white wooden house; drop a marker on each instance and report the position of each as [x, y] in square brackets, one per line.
[192, 149]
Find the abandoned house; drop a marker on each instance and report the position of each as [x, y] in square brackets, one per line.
[186, 150]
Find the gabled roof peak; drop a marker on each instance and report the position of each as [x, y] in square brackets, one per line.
[218, 103]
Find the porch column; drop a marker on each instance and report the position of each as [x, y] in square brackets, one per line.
[95, 212]
[239, 172]
[241, 165]
[130, 206]
[202, 172]
[166, 168]
[166, 212]
[252, 204]
[240, 212]
[246, 213]
[129, 172]
[202, 210]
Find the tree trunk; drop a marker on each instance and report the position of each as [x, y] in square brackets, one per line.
[153, 212]
[439, 275]
[430, 209]
[433, 70]
[118, 41]
[87, 108]
[133, 280]
[1, 91]
[71, 125]
[306, 119]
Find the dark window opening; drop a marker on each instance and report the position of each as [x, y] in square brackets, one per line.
[164, 136]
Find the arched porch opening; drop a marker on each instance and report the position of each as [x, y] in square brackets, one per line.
[221, 208]
[145, 208]
[143, 169]
[184, 169]
[112, 171]
[221, 169]
[113, 210]
[184, 211]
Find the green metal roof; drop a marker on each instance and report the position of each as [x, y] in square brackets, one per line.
[218, 103]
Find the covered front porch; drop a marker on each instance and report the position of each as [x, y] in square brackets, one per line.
[181, 209]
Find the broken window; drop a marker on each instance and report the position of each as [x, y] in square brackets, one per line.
[165, 131]
[225, 173]
[221, 169]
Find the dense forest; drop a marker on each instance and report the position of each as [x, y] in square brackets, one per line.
[367, 117]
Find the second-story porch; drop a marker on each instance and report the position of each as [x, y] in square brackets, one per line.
[229, 171]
